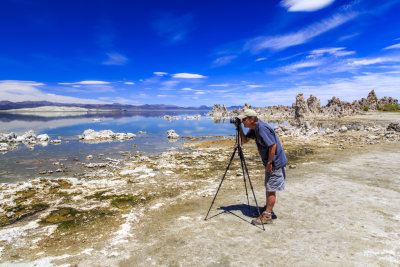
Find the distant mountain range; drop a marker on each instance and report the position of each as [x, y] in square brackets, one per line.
[5, 105]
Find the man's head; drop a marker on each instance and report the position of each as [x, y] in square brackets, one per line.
[249, 118]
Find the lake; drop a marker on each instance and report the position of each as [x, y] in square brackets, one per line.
[23, 164]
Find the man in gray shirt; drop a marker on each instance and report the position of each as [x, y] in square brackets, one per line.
[272, 155]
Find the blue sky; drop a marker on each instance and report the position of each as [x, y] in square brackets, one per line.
[192, 53]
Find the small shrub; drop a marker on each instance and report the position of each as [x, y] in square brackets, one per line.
[365, 108]
[390, 107]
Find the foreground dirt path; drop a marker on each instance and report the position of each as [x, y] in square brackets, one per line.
[342, 210]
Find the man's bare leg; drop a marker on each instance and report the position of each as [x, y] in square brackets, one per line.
[271, 198]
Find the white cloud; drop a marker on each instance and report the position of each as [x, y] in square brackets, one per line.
[300, 65]
[261, 59]
[160, 73]
[188, 76]
[129, 83]
[187, 89]
[281, 42]
[306, 5]
[396, 46]
[169, 84]
[200, 93]
[255, 86]
[221, 61]
[220, 85]
[347, 89]
[335, 51]
[372, 61]
[346, 37]
[115, 58]
[17, 91]
[87, 83]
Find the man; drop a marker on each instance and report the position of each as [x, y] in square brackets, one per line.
[273, 158]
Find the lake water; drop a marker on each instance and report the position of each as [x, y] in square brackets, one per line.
[23, 164]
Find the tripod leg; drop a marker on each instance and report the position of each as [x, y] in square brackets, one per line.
[244, 179]
[251, 185]
[230, 161]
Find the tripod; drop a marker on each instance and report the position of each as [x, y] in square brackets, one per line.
[245, 172]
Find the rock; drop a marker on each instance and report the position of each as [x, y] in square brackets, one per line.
[171, 134]
[89, 157]
[90, 135]
[218, 112]
[43, 137]
[198, 117]
[328, 131]
[343, 129]
[300, 109]
[393, 127]
[313, 104]
[167, 117]
[95, 165]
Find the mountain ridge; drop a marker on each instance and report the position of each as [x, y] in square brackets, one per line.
[6, 105]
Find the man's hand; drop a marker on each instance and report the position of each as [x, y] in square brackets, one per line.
[268, 168]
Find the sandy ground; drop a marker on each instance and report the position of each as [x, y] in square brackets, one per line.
[341, 208]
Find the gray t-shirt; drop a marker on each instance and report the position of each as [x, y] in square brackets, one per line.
[265, 137]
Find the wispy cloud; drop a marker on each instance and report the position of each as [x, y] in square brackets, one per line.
[261, 59]
[305, 5]
[300, 65]
[255, 86]
[334, 51]
[169, 85]
[188, 76]
[347, 89]
[30, 91]
[86, 87]
[129, 83]
[115, 58]
[372, 61]
[221, 61]
[199, 92]
[349, 36]
[87, 83]
[219, 85]
[160, 73]
[302, 36]
[173, 28]
[395, 46]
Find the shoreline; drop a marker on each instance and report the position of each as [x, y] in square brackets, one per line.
[137, 191]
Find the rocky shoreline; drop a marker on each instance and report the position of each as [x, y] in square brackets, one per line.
[306, 110]
[74, 220]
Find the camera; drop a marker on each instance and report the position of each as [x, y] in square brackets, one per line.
[235, 121]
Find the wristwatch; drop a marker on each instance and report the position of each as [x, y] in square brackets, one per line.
[269, 162]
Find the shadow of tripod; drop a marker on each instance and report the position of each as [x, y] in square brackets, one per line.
[245, 172]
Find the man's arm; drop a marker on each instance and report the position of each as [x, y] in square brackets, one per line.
[244, 137]
[271, 155]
